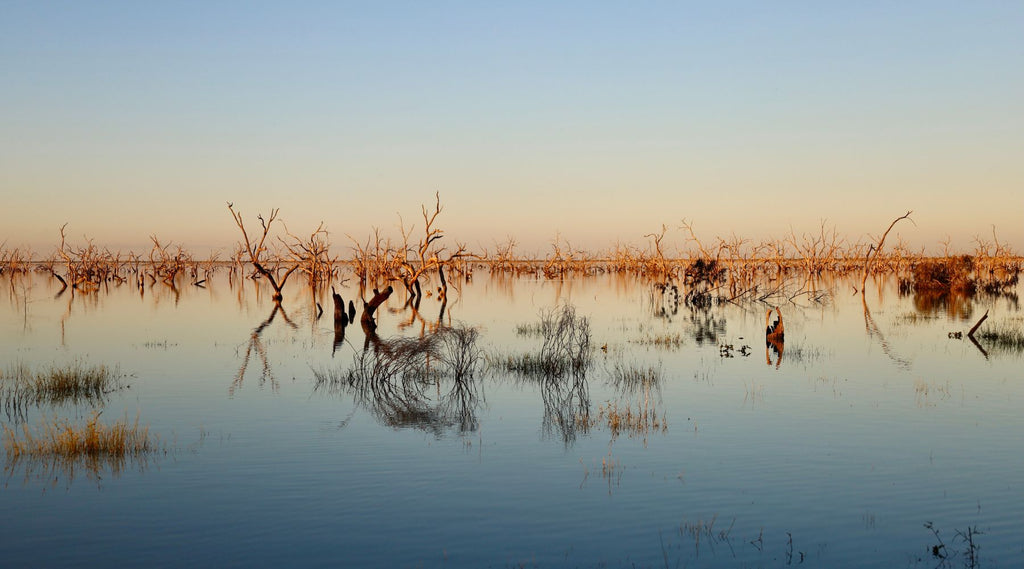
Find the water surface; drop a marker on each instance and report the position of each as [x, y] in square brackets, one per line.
[872, 423]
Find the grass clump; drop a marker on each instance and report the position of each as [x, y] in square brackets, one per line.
[59, 448]
[72, 383]
[61, 438]
[1002, 338]
[632, 378]
[668, 340]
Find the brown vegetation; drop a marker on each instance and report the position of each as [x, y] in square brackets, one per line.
[720, 269]
[61, 448]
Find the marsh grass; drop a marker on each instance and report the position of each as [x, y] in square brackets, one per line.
[667, 340]
[633, 423]
[1002, 338]
[73, 383]
[633, 377]
[621, 418]
[925, 393]
[59, 447]
[530, 329]
[704, 532]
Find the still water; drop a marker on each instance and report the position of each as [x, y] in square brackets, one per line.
[872, 423]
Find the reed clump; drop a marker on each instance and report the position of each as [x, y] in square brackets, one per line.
[72, 383]
[643, 420]
[59, 449]
[667, 340]
[624, 419]
[1002, 338]
[61, 438]
[631, 378]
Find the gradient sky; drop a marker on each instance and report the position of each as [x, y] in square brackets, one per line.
[597, 121]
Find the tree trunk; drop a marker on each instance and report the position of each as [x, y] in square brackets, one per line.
[379, 297]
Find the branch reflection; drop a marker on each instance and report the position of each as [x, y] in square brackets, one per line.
[427, 383]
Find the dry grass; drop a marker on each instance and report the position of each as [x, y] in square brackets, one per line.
[61, 438]
[637, 420]
[59, 448]
[633, 423]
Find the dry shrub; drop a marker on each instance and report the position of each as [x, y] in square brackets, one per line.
[952, 274]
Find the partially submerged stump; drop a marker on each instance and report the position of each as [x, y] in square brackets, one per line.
[774, 332]
[340, 318]
[379, 298]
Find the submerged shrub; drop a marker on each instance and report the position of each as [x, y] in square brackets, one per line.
[400, 379]
[952, 274]
[565, 346]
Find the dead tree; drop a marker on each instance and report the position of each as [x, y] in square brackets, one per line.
[410, 271]
[878, 250]
[312, 255]
[369, 308]
[256, 251]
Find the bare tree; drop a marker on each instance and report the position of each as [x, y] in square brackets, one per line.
[257, 252]
[427, 257]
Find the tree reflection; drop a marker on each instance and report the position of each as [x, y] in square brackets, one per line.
[255, 345]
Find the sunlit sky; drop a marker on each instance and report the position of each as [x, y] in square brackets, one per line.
[595, 121]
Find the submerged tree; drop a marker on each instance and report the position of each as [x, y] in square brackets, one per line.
[256, 251]
[427, 257]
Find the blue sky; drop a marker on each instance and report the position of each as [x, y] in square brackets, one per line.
[596, 121]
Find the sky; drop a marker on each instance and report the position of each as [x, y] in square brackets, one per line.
[594, 123]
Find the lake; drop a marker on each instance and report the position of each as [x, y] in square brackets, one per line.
[880, 436]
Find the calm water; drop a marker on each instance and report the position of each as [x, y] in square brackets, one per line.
[837, 455]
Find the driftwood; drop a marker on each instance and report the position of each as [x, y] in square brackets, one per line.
[978, 325]
[970, 335]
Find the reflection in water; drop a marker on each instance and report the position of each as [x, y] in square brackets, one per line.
[774, 348]
[256, 345]
[426, 383]
[874, 332]
[872, 415]
[53, 469]
[60, 449]
[706, 326]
